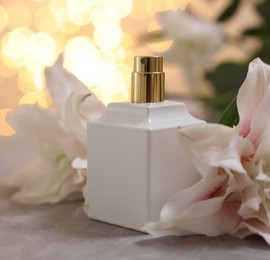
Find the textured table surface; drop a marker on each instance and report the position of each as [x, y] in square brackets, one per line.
[63, 232]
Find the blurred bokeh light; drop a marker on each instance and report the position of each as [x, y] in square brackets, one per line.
[97, 37]
[97, 47]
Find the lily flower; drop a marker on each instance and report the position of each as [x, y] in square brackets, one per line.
[194, 44]
[58, 136]
[233, 195]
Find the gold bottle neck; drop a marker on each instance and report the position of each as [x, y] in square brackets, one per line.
[147, 80]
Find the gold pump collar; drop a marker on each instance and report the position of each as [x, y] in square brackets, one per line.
[147, 80]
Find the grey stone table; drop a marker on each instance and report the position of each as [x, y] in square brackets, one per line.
[63, 232]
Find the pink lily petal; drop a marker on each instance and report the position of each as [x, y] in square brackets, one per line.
[252, 226]
[251, 94]
[212, 146]
[178, 215]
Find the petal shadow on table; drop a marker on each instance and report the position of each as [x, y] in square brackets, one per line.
[200, 241]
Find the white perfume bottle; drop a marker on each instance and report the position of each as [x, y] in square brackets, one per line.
[135, 158]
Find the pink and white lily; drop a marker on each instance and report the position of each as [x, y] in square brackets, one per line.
[233, 195]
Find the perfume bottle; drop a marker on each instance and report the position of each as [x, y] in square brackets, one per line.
[135, 158]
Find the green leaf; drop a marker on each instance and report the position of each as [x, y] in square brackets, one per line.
[230, 116]
[227, 77]
[254, 32]
[264, 10]
[229, 11]
[262, 31]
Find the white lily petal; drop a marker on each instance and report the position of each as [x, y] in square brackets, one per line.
[73, 121]
[260, 120]
[175, 210]
[212, 146]
[251, 93]
[204, 131]
[61, 84]
[76, 119]
[16, 151]
[219, 222]
[266, 204]
[251, 201]
[262, 171]
[245, 229]
[196, 140]
[45, 128]
[91, 108]
[30, 120]
[57, 136]
[182, 200]
[197, 39]
[240, 205]
[46, 182]
[262, 151]
[223, 151]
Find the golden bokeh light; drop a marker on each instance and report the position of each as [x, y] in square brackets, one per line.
[19, 16]
[81, 57]
[119, 8]
[6, 71]
[158, 46]
[182, 4]
[44, 21]
[127, 41]
[97, 47]
[43, 49]
[12, 54]
[43, 53]
[108, 35]
[95, 68]
[152, 7]
[25, 81]
[34, 98]
[138, 12]
[3, 18]
[79, 12]
[58, 9]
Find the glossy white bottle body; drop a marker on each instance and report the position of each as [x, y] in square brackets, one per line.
[136, 162]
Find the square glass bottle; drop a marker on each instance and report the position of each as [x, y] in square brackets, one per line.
[135, 158]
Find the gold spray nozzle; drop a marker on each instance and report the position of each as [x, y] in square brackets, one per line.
[147, 80]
